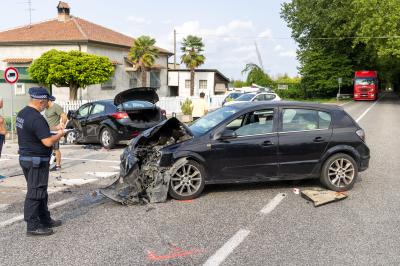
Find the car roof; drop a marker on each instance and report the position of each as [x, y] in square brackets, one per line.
[249, 105]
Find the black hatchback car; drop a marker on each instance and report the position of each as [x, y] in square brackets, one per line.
[110, 121]
[246, 142]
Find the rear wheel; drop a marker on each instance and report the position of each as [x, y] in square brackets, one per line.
[339, 172]
[188, 181]
[107, 138]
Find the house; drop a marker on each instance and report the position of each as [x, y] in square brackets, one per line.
[210, 81]
[21, 45]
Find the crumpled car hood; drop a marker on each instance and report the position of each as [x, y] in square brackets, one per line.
[141, 179]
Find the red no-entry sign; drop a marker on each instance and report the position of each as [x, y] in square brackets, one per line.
[11, 75]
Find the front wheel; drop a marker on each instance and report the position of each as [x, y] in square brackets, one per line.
[339, 172]
[107, 138]
[188, 181]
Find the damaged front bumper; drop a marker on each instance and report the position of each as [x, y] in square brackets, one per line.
[143, 178]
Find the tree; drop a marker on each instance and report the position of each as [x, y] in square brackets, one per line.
[143, 55]
[192, 46]
[73, 69]
[338, 37]
[256, 75]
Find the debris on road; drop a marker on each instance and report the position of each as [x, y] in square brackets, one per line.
[296, 191]
[322, 197]
[141, 178]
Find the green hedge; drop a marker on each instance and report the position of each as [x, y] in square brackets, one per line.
[8, 123]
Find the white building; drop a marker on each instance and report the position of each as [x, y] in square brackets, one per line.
[21, 45]
[210, 81]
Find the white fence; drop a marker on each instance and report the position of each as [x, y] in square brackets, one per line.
[169, 104]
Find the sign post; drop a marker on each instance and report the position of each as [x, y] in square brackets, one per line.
[340, 82]
[11, 76]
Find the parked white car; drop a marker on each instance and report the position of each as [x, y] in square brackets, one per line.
[255, 97]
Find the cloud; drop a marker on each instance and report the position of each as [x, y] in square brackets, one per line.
[289, 53]
[167, 21]
[265, 34]
[138, 20]
[278, 48]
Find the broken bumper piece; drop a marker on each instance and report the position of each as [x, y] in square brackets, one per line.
[142, 179]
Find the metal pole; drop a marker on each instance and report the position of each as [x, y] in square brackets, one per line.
[12, 113]
[174, 49]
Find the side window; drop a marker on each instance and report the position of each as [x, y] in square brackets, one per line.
[259, 98]
[269, 97]
[236, 123]
[299, 119]
[257, 123]
[324, 120]
[84, 110]
[98, 109]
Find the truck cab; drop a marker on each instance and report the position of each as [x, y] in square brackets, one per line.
[366, 85]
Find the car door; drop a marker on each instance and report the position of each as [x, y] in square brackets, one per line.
[79, 121]
[97, 115]
[252, 154]
[304, 135]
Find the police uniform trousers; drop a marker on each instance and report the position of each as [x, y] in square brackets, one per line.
[37, 178]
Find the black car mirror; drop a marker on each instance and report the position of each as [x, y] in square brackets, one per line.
[71, 114]
[226, 134]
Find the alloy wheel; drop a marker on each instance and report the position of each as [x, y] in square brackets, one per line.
[71, 137]
[105, 138]
[187, 180]
[341, 172]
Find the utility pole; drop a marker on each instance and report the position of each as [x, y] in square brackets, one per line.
[174, 49]
[30, 12]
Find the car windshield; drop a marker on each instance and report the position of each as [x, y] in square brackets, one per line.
[209, 121]
[245, 97]
[234, 95]
[365, 81]
[135, 104]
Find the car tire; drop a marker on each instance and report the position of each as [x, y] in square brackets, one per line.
[107, 138]
[71, 137]
[339, 172]
[188, 181]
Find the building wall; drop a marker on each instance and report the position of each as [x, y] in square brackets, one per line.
[94, 91]
[178, 78]
[19, 101]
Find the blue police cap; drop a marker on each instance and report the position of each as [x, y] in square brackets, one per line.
[40, 93]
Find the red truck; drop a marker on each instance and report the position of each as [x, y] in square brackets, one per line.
[366, 85]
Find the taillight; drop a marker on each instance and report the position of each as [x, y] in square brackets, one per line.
[361, 134]
[120, 115]
[135, 134]
[163, 112]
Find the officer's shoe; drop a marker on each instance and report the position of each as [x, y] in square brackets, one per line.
[41, 231]
[53, 223]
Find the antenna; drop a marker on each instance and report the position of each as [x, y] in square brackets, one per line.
[30, 9]
[259, 56]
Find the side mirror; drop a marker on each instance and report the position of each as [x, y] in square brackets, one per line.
[71, 114]
[226, 134]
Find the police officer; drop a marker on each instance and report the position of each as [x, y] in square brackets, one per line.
[35, 145]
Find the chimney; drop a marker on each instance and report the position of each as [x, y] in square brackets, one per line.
[63, 12]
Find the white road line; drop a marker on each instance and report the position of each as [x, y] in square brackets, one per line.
[366, 111]
[21, 217]
[273, 203]
[342, 104]
[102, 174]
[77, 159]
[227, 248]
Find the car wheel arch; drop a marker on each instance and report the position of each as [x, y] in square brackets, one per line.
[196, 158]
[349, 150]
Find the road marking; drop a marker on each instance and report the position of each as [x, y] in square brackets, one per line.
[273, 203]
[342, 104]
[115, 167]
[76, 159]
[102, 174]
[366, 111]
[227, 248]
[21, 217]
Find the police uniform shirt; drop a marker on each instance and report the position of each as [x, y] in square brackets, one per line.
[32, 127]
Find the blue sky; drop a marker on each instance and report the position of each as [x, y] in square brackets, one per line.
[229, 28]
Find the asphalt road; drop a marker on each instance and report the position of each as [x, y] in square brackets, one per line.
[226, 224]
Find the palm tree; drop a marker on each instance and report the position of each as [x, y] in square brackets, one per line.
[143, 55]
[192, 46]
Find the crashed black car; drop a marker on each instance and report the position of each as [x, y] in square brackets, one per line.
[247, 142]
[110, 121]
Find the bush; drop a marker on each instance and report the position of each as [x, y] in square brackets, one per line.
[8, 123]
[291, 93]
[186, 107]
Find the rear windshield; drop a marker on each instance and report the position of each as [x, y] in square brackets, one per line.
[135, 104]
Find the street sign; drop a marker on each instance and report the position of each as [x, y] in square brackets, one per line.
[11, 75]
[339, 80]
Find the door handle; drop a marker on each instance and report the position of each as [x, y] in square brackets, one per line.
[319, 139]
[267, 143]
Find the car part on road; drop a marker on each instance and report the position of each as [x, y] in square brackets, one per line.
[322, 197]
[141, 177]
[339, 172]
